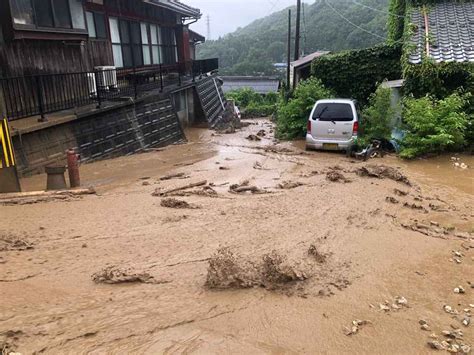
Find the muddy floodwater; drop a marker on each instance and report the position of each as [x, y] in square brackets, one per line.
[233, 245]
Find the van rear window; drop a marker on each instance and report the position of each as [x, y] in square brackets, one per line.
[334, 112]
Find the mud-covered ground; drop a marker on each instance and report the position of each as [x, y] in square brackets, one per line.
[274, 250]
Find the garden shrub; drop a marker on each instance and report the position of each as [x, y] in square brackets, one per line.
[434, 126]
[292, 116]
[378, 117]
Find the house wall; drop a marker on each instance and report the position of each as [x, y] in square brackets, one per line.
[31, 52]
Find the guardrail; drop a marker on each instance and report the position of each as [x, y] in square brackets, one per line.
[32, 95]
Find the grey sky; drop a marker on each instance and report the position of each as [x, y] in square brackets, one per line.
[227, 15]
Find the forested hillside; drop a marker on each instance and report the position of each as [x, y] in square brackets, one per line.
[253, 49]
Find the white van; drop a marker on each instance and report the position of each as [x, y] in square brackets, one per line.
[333, 125]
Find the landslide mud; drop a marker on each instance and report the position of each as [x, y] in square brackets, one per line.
[278, 258]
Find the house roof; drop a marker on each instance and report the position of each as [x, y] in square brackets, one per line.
[450, 31]
[308, 59]
[196, 37]
[260, 84]
[177, 6]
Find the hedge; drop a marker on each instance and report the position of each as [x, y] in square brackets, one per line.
[355, 74]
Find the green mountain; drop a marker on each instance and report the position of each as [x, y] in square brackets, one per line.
[253, 49]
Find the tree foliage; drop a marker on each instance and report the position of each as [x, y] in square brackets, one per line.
[252, 104]
[379, 116]
[253, 49]
[292, 116]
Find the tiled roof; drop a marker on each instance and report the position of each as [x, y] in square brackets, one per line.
[451, 32]
[261, 85]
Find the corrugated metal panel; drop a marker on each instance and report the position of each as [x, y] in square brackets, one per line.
[212, 99]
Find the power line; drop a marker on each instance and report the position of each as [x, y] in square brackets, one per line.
[352, 23]
[381, 11]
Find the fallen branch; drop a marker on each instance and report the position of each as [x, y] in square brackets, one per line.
[174, 176]
[18, 195]
[158, 193]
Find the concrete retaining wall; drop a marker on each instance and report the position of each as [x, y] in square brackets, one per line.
[124, 130]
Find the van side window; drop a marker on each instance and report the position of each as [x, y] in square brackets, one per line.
[334, 112]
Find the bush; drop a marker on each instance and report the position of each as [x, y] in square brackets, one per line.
[434, 126]
[253, 104]
[292, 116]
[378, 118]
[355, 74]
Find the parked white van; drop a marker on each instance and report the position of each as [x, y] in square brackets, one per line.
[333, 125]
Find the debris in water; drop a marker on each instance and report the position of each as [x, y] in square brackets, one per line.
[277, 271]
[335, 176]
[174, 176]
[158, 192]
[288, 185]
[228, 271]
[382, 172]
[459, 289]
[244, 187]
[253, 137]
[319, 257]
[117, 275]
[11, 243]
[399, 192]
[261, 133]
[179, 204]
[356, 327]
[392, 199]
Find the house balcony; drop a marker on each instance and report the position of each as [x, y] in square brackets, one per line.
[43, 95]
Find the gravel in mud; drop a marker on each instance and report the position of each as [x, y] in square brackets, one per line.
[257, 269]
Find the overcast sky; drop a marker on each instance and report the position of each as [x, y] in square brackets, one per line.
[227, 15]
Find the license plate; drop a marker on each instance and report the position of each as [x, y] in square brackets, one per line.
[331, 146]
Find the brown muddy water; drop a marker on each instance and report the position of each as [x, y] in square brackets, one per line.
[316, 257]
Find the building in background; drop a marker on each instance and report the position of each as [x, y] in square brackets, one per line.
[260, 84]
[301, 68]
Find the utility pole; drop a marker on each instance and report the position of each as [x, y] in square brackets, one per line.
[208, 22]
[298, 26]
[288, 63]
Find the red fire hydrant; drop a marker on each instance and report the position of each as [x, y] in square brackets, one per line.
[73, 168]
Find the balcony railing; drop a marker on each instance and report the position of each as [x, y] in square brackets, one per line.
[32, 95]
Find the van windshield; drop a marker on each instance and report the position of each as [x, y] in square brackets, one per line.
[334, 112]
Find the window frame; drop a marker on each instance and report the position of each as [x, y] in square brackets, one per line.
[95, 14]
[55, 28]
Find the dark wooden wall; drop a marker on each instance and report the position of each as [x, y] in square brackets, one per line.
[32, 56]
[23, 57]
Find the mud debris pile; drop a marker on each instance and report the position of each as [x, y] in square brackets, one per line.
[383, 172]
[117, 275]
[289, 185]
[177, 204]
[12, 243]
[273, 271]
[336, 176]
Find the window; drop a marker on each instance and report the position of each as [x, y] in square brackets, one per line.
[96, 25]
[126, 39]
[168, 44]
[59, 14]
[116, 46]
[333, 112]
[145, 44]
[151, 40]
[22, 12]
